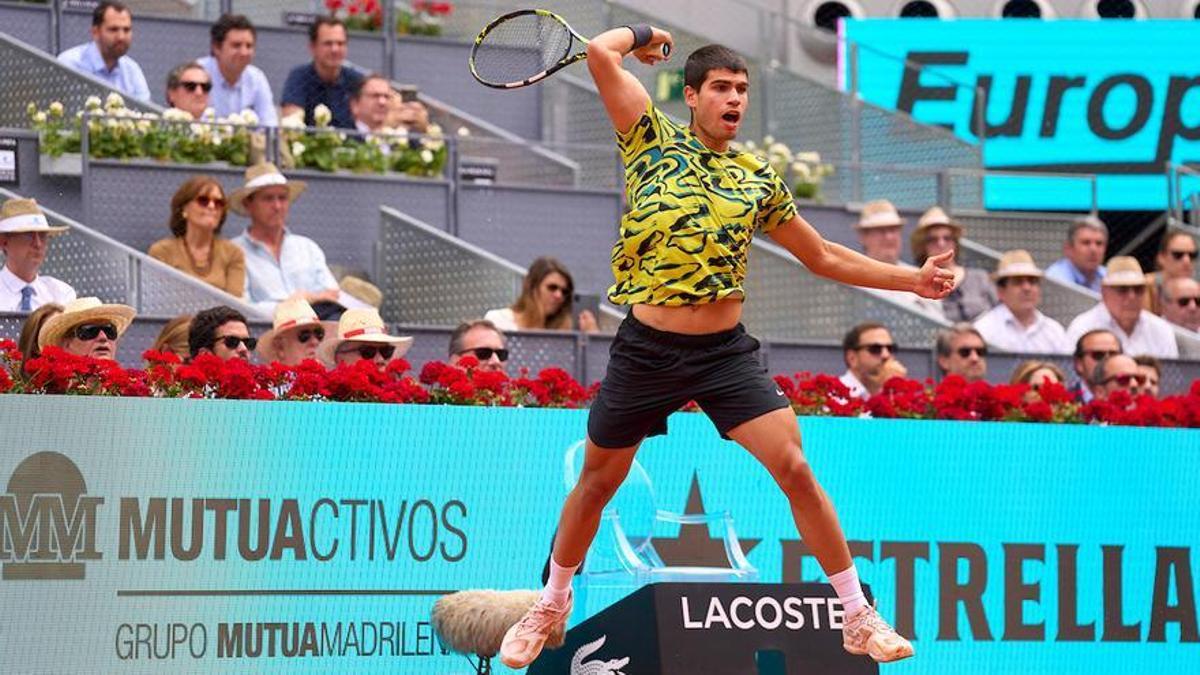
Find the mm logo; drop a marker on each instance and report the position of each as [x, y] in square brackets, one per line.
[47, 523]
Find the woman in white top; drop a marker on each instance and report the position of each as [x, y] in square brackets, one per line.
[545, 302]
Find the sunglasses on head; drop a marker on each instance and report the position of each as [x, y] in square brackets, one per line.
[232, 341]
[309, 333]
[876, 348]
[1125, 379]
[91, 331]
[193, 86]
[1184, 302]
[1180, 255]
[485, 353]
[204, 201]
[369, 351]
[965, 352]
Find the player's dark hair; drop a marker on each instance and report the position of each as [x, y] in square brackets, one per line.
[711, 57]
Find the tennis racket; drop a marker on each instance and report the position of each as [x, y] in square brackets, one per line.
[526, 46]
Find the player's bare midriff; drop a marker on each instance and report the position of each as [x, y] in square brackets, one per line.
[710, 317]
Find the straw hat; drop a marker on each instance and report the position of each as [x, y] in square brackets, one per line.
[80, 311]
[936, 217]
[24, 215]
[361, 325]
[879, 213]
[289, 315]
[363, 290]
[262, 176]
[1124, 270]
[1016, 263]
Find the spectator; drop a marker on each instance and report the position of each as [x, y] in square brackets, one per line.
[1176, 259]
[295, 334]
[25, 240]
[973, 293]
[104, 57]
[1036, 373]
[198, 211]
[1120, 311]
[870, 356]
[481, 339]
[280, 265]
[1151, 370]
[407, 114]
[962, 351]
[238, 85]
[1117, 373]
[547, 296]
[325, 80]
[27, 343]
[361, 334]
[221, 331]
[878, 229]
[1083, 253]
[1090, 349]
[87, 327]
[371, 106]
[188, 85]
[1181, 306]
[174, 337]
[1016, 325]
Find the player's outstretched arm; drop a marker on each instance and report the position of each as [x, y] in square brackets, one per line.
[933, 280]
[624, 97]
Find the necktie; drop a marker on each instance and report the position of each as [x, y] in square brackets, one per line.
[26, 294]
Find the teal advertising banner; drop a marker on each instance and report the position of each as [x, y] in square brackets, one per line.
[217, 536]
[1118, 99]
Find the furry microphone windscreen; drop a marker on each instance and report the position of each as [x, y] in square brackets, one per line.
[474, 622]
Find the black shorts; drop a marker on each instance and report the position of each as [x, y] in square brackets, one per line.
[652, 373]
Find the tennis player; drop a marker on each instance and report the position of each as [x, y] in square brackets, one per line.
[680, 260]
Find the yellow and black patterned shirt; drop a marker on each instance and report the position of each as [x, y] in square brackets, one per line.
[692, 215]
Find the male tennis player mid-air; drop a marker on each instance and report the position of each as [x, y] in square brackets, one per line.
[679, 261]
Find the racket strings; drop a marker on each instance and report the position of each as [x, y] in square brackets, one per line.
[520, 48]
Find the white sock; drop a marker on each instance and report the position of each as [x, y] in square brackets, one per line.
[849, 590]
[558, 586]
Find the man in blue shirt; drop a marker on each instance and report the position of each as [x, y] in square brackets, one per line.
[1083, 253]
[237, 84]
[104, 57]
[324, 81]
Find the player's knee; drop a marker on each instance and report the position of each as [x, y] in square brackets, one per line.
[600, 486]
[797, 480]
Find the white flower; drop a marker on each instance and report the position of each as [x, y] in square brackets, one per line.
[750, 146]
[39, 117]
[216, 140]
[176, 115]
[463, 132]
[114, 101]
[31, 109]
[297, 148]
[434, 130]
[144, 126]
[427, 156]
[249, 118]
[322, 115]
[802, 171]
[56, 109]
[79, 115]
[293, 121]
[92, 103]
[209, 114]
[433, 143]
[810, 157]
[153, 117]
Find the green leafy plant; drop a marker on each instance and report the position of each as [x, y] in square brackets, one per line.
[324, 148]
[804, 171]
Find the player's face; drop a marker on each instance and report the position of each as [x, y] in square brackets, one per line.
[720, 105]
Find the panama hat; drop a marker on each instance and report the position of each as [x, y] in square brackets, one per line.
[289, 314]
[24, 215]
[361, 325]
[878, 213]
[80, 311]
[261, 176]
[1123, 270]
[937, 217]
[1017, 263]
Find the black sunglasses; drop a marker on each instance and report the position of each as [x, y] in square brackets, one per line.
[192, 86]
[369, 351]
[1097, 355]
[876, 348]
[91, 331]
[308, 334]
[965, 352]
[232, 341]
[1125, 379]
[485, 353]
[1180, 255]
[1184, 302]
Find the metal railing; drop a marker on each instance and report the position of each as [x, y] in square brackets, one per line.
[1183, 184]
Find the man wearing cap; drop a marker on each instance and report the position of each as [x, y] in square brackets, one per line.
[87, 327]
[280, 265]
[878, 230]
[1120, 311]
[362, 335]
[1016, 324]
[25, 239]
[1083, 253]
[295, 335]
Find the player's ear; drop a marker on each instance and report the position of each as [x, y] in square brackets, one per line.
[690, 96]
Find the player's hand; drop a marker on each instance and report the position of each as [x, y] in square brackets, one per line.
[652, 52]
[936, 277]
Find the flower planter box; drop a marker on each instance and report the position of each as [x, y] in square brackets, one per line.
[69, 164]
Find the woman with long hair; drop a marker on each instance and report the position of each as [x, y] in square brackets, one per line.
[198, 211]
[546, 302]
[28, 340]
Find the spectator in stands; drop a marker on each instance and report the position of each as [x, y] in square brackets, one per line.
[188, 85]
[962, 351]
[1181, 306]
[1083, 253]
[326, 80]
[1120, 311]
[973, 293]
[87, 327]
[104, 57]
[1176, 259]
[221, 331]
[1035, 373]
[1151, 369]
[25, 240]
[280, 265]
[481, 339]
[27, 342]
[371, 103]
[1016, 325]
[174, 337]
[295, 335]
[546, 301]
[361, 334]
[878, 229]
[1117, 373]
[198, 211]
[870, 356]
[1090, 349]
[238, 85]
